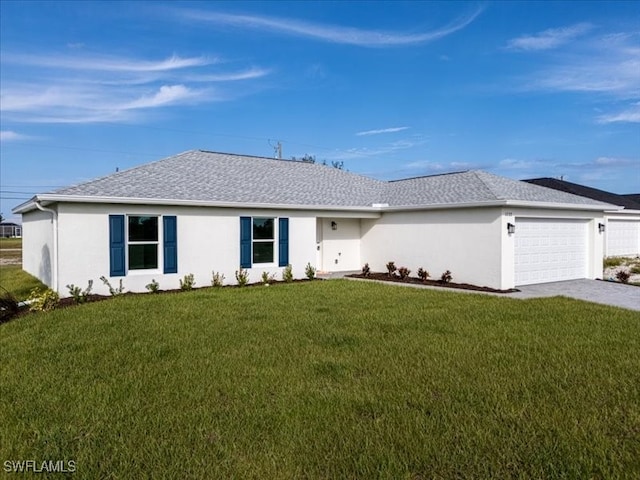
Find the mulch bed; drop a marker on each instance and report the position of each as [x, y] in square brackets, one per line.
[384, 277]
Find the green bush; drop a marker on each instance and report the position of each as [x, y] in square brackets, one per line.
[188, 282]
[287, 274]
[242, 277]
[153, 287]
[43, 301]
[113, 291]
[217, 279]
[266, 279]
[79, 295]
[310, 271]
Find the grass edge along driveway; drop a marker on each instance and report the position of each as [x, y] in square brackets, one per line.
[333, 379]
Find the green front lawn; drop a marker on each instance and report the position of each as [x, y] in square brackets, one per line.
[333, 379]
[18, 282]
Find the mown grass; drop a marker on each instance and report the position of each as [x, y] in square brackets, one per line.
[10, 243]
[18, 282]
[333, 379]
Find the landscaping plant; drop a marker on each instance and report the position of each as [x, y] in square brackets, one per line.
[43, 301]
[366, 271]
[423, 274]
[242, 277]
[310, 271]
[79, 295]
[153, 287]
[287, 274]
[217, 279]
[391, 268]
[188, 282]
[446, 277]
[113, 291]
[403, 272]
[266, 279]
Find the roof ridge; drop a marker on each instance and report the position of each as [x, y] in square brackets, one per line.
[477, 174]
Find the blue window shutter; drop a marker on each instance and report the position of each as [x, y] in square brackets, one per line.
[283, 242]
[116, 246]
[245, 242]
[170, 243]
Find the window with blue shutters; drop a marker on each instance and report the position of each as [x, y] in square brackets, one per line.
[258, 241]
[134, 243]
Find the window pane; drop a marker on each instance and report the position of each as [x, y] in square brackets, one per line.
[143, 229]
[262, 252]
[142, 257]
[263, 228]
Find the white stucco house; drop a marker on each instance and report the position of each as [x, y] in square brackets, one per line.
[199, 212]
[622, 225]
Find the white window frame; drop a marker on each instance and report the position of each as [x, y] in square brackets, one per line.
[159, 252]
[273, 241]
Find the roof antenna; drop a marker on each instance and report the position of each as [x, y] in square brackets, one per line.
[561, 178]
[277, 149]
[117, 169]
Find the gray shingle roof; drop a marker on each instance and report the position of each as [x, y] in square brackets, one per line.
[218, 177]
[202, 176]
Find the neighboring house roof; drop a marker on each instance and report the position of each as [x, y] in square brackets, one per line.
[633, 196]
[207, 178]
[9, 224]
[588, 192]
[471, 187]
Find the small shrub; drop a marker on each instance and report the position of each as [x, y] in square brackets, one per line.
[310, 271]
[391, 268]
[242, 277]
[446, 277]
[623, 276]
[153, 287]
[403, 272]
[613, 262]
[43, 301]
[79, 295]
[217, 279]
[423, 274]
[366, 271]
[113, 291]
[188, 282]
[266, 279]
[287, 274]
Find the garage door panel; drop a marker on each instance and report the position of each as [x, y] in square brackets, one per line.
[550, 250]
[623, 237]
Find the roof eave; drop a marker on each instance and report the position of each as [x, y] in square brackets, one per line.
[47, 199]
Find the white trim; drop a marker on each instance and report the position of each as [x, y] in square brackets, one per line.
[375, 208]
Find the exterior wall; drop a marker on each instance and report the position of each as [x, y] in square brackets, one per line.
[622, 235]
[467, 242]
[37, 245]
[208, 239]
[339, 249]
[595, 240]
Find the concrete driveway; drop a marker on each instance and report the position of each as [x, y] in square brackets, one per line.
[598, 291]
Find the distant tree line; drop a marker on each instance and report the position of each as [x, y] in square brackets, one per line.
[306, 158]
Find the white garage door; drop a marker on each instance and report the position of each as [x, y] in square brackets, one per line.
[623, 237]
[550, 250]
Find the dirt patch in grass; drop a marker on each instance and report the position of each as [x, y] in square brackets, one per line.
[433, 283]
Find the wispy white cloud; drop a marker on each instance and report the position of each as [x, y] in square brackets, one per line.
[10, 136]
[366, 152]
[106, 63]
[72, 89]
[548, 39]
[630, 115]
[608, 65]
[328, 33]
[382, 130]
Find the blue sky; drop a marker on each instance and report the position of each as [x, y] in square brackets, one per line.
[392, 89]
